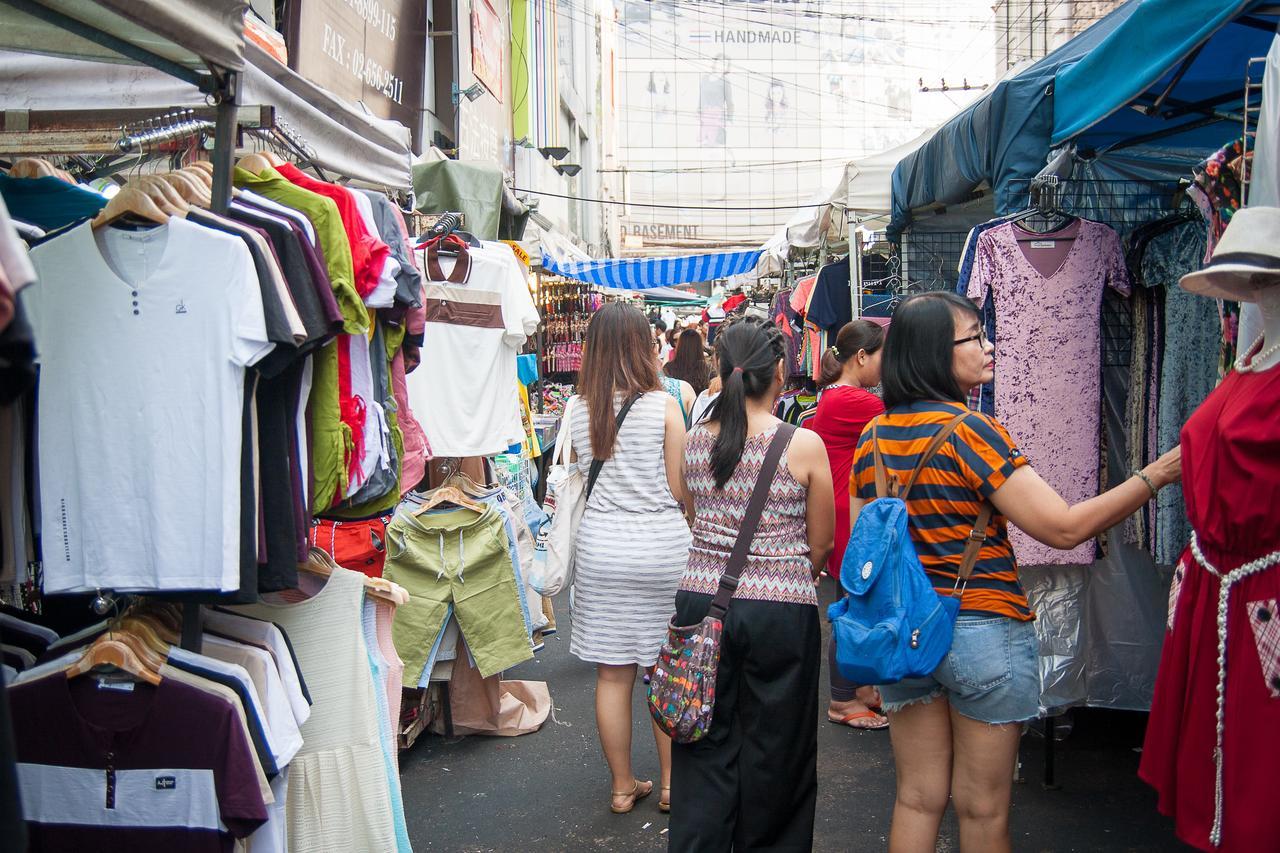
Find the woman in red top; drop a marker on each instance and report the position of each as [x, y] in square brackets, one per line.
[844, 408]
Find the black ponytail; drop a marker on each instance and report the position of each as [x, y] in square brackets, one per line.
[748, 350]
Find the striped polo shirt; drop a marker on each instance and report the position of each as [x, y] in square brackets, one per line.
[945, 501]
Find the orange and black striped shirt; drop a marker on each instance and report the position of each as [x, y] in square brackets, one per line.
[945, 501]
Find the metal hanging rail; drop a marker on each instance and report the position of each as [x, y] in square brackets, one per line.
[161, 130]
[1251, 112]
[104, 132]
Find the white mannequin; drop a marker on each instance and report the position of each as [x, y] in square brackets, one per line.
[1264, 291]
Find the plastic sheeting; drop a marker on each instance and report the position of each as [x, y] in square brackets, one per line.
[1191, 52]
[351, 144]
[1101, 627]
[476, 190]
[189, 33]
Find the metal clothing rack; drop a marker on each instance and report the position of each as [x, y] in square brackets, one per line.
[221, 88]
[104, 142]
[1251, 113]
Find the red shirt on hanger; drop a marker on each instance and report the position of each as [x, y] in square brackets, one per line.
[368, 253]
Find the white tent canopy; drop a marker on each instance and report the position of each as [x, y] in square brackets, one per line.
[341, 139]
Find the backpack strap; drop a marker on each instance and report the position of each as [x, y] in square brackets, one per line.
[932, 450]
[977, 538]
[750, 521]
[883, 488]
[597, 464]
[887, 485]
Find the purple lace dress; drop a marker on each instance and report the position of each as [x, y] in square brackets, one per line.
[1048, 342]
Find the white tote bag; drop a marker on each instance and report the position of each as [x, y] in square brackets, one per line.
[565, 502]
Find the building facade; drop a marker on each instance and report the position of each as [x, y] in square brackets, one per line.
[1027, 30]
[732, 113]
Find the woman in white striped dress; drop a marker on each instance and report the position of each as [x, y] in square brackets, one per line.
[634, 541]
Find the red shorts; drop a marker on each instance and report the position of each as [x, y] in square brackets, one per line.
[357, 545]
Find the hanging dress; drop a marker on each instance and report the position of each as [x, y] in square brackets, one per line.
[1231, 484]
[340, 798]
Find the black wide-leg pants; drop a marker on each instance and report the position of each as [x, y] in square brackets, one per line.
[751, 783]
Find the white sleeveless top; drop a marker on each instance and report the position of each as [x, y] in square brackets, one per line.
[339, 794]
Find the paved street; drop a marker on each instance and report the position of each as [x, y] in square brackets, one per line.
[549, 790]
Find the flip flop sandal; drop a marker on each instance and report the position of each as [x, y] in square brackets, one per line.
[848, 719]
[635, 795]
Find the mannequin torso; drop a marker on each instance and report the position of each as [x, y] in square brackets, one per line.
[1266, 295]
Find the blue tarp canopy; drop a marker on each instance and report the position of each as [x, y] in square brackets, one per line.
[1001, 140]
[645, 273]
[1182, 61]
[1159, 79]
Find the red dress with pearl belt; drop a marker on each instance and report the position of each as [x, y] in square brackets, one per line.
[1231, 482]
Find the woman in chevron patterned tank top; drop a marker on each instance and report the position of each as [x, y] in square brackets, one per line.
[766, 711]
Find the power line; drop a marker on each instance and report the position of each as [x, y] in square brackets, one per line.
[663, 206]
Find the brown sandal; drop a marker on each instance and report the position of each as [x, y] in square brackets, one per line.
[636, 794]
[664, 803]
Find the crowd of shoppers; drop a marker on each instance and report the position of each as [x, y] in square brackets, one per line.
[666, 511]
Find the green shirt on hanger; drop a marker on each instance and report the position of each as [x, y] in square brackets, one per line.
[323, 214]
[331, 441]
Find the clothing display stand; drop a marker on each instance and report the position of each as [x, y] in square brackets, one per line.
[1114, 633]
[138, 142]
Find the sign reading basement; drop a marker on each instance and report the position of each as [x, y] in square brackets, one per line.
[362, 50]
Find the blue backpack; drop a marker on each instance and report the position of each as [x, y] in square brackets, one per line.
[891, 624]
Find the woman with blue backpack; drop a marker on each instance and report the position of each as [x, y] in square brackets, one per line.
[959, 627]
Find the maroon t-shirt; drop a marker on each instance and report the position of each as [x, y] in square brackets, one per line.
[132, 768]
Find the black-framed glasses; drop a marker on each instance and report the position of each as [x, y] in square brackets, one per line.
[981, 337]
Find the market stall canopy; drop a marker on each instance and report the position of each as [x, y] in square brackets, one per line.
[338, 138]
[190, 35]
[661, 294]
[869, 180]
[1179, 63]
[1002, 138]
[644, 273]
[477, 190]
[819, 215]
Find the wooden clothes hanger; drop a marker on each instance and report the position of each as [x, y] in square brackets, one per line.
[109, 650]
[256, 163]
[202, 176]
[165, 196]
[33, 167]
[149, 648]
[130, 201]
[451, 494]
[191, 190]
[463, 480]
[319, 563]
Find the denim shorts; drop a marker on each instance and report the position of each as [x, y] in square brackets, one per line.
[991, 674]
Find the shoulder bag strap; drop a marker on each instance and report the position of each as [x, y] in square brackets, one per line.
[750, 521]
[564, 438]
[597, 464]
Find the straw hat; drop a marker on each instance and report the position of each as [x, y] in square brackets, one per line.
[1246, 257]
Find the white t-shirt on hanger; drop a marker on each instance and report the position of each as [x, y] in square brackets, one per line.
[465, 392]
[143, 340]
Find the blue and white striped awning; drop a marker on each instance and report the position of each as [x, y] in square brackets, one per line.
[643, 273]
